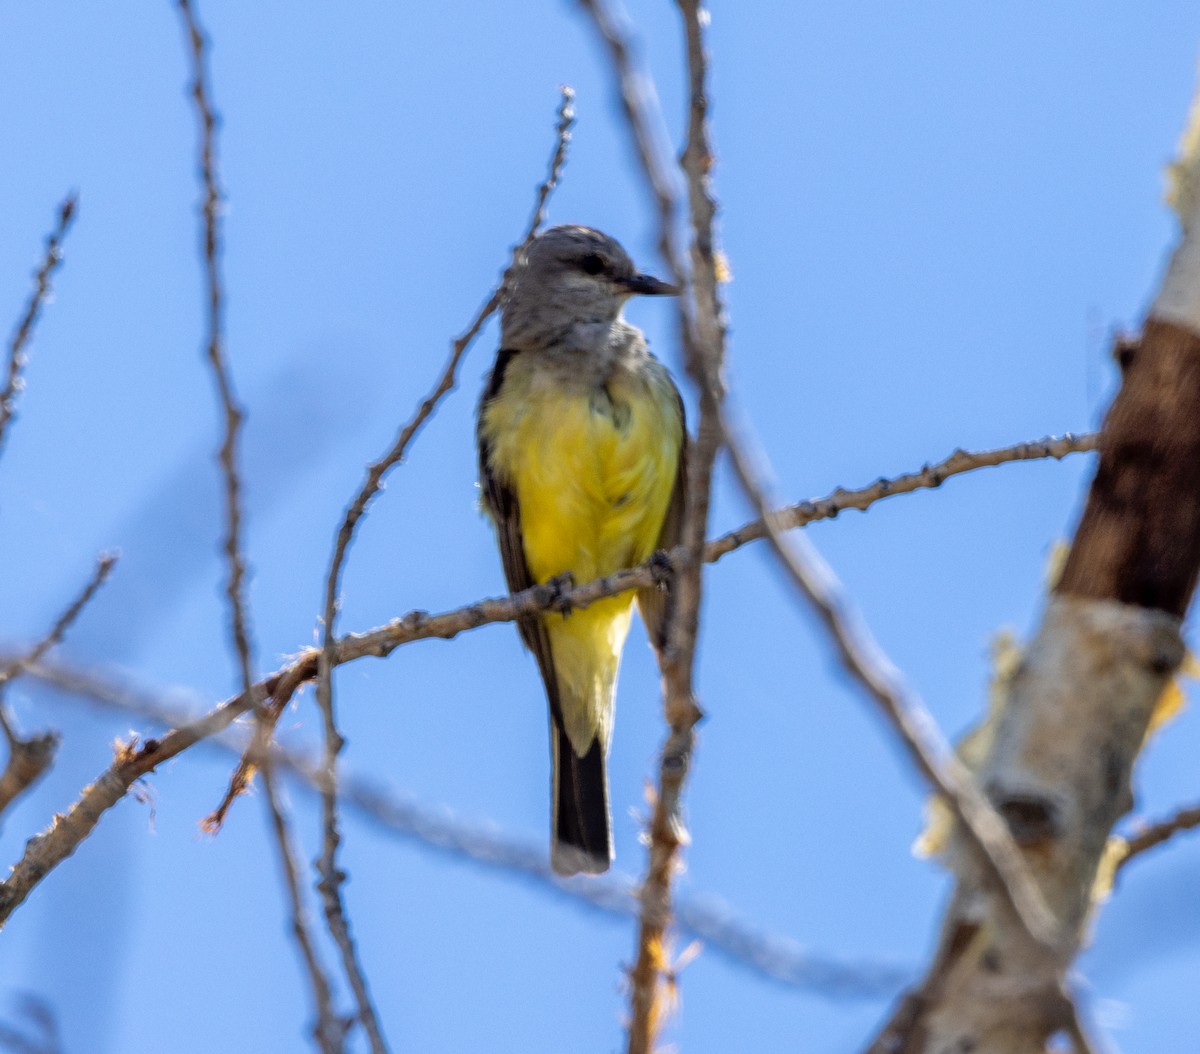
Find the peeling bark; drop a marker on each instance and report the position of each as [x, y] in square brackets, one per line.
[1060, 764]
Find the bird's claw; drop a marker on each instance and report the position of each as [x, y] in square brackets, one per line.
[661, 567]
[560, 586]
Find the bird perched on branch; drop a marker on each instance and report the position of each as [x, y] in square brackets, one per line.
[582, 465]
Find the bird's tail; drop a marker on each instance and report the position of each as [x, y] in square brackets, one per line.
[582, 838]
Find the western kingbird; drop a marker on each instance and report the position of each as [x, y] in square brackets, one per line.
[582, 447]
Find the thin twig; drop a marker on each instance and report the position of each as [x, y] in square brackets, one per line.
[328, 1030]
[214, 298]
[865, 661]
[926, 478]
[331, 878]
[30, 758]
[702, 916]
[1155, 834]
[41, 293]
[702, 330]
[14, 668]
[61, 840]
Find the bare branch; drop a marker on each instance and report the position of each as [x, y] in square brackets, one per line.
[702, 329]
[701, 915]
[41, 293]
[331, 878]
[280, 686]
[328, 1030]
[29, 759]
[985, 829]
[214, 298]
[707, 336]
[17, 666]
[928, 477]
[1153, 835]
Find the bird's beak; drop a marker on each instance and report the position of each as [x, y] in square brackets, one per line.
[647, 285]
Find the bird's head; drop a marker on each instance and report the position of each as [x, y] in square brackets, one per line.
[571, 276]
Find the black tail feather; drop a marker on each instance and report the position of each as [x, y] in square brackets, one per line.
[582, 829]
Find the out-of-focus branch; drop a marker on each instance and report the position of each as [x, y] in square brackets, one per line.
[280, 686]
[1155, 834]
[30, 758]
[32, 1030]
[25, 326]
[328, 1030]
[331, 878]
[702, 916]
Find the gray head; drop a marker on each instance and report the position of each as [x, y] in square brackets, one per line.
[570, 285]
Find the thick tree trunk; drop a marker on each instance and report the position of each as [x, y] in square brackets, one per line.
[1078, 708]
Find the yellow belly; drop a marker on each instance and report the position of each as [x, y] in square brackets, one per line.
[593, 474]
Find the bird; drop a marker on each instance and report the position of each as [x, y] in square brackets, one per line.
[582, 441]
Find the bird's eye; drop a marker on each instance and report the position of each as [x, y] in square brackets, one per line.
[592, 264]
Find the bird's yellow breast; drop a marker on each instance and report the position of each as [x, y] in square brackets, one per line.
[593, 470]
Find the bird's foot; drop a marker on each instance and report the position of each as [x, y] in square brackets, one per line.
[560, 586]
[661, 567]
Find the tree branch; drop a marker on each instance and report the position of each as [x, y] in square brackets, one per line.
[925, 478]
[1155, 834]
[56, 844]
[703, 337]
[214, 299]
[329, 1030]
[29, 759]
[13, 669]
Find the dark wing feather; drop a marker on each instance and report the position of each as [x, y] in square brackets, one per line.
[654, 602]
[501, 502]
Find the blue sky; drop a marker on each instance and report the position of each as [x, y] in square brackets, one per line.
[935, 215]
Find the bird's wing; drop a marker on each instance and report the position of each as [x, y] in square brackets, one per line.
[655, 602]
[501, 503]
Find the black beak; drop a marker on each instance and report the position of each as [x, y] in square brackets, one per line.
[647, 285]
